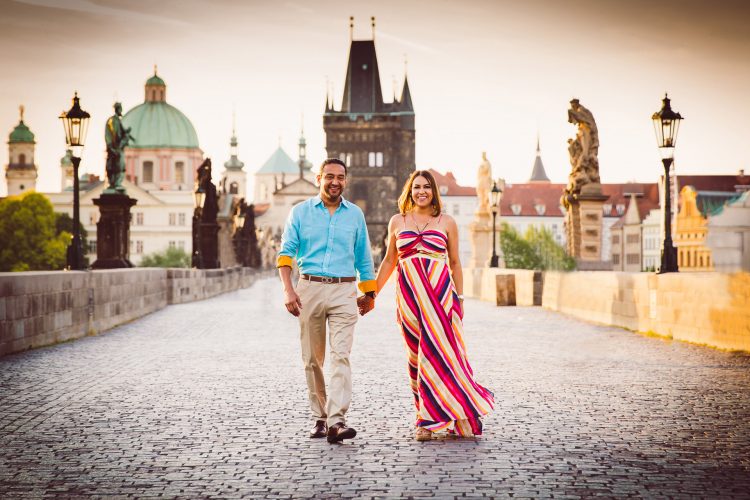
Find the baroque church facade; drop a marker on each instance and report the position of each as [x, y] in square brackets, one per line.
[375, 139]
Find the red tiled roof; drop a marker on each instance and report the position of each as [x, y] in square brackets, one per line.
[448, 181]
[723, 183]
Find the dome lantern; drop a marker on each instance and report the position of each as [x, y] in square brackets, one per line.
[156, 89]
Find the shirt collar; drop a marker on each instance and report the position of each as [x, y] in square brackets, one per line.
[317, 200]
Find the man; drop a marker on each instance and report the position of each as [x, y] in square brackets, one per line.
[328, 237]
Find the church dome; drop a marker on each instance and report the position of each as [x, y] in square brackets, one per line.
[21, 133]
[157, 124]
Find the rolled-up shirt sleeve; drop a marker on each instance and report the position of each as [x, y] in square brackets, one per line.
[363, 258]
[289, 241]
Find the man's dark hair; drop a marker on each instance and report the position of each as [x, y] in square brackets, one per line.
[334, 161]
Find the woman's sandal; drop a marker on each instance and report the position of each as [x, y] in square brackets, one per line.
[423, 434]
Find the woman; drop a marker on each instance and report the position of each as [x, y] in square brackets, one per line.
[423, 243]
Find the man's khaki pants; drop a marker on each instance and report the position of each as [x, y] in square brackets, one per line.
[336, 305]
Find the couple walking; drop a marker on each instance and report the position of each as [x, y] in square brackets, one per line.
[328, 237]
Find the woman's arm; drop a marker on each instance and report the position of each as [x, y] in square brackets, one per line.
[454, 260]
[391, 255]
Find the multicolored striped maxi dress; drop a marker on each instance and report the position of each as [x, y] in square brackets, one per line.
[445, 393]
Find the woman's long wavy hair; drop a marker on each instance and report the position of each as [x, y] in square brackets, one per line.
[406, 202]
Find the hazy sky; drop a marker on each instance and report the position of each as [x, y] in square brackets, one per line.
[484, 75]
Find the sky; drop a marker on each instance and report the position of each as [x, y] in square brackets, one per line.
[484, 75]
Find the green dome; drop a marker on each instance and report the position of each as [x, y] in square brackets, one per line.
[156, 124]
[155, 80]
[21, 134]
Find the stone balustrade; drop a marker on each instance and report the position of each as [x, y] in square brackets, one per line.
[504, 287]
[706, 308]
[46, 307]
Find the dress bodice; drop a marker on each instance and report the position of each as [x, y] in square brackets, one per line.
[430, 243]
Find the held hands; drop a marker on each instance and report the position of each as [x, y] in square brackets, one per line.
[365, 304]
[292, 302]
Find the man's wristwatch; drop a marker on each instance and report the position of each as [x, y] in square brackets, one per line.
[372, 294]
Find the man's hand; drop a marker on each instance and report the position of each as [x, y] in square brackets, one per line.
[365, 304]
[292, 302]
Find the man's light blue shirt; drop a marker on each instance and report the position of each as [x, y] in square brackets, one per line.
[328, 245]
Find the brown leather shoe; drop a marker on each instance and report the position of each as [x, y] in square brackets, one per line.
[320, 429]
[339, 432]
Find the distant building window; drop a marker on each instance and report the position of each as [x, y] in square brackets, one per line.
[92, 246]
[172, 219]
[371, 159]
[139, 219]
[263, 192]
[181, 218]
[348, 159]
[620, 209]
[92, 218]
[148, 171]
[554, 228]
[456, 208]
[633, 238]
[616, 239]
[234, 188]
[172, 244]
[540, 209]
[615, 258]
[633, 258]
[607, 208]
[443, 190]
[179, 172]
[181, 245]
[515, 208]
[22, 159]
[139, 246]
[378, 159]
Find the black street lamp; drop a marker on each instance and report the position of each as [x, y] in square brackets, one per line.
[666, 122]
[75, 122]
[495, 200]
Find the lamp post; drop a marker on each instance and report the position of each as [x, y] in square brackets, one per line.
[494, 199]
[75, 122]
[666, 122]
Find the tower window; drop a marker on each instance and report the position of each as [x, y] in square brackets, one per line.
[179, 172]
[22, 159]
[371, 159]
[379, 159]
[233, 188]
[148, 171]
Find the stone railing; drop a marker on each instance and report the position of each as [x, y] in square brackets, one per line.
[44, 308]
[706, 308]
[504, 287]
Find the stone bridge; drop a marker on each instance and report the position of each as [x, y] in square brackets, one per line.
[207, 399]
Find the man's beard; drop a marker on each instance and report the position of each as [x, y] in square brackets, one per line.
[332, 197]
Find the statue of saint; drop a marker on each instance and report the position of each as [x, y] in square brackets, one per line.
[117, 137]
[211, 203]
[583, 151]
[484, 184]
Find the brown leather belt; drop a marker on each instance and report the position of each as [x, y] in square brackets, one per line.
[327, 279]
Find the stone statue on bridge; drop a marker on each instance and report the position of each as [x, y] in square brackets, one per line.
[484, 184]
[117, 137]
[583, 151]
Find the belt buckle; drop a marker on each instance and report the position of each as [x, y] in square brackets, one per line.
[327, 279]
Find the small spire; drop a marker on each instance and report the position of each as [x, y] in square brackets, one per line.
[21, 110]
[406, 65]
[155, 72]
[538, 150]
[351, 28]
[302, 124]
[372, 19]
[234, 122]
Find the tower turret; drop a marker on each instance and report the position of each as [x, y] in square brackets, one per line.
[21, 172]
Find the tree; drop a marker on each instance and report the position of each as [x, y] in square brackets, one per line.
[517, 252]
[552, 256]
[537, 249]
[171, 257]
[29, 240]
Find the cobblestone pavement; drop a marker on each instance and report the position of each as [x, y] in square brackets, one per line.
[208, 400]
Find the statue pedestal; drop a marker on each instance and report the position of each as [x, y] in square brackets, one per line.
[584, 228]
[481, 239]
[113, 231]
[208, 239]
